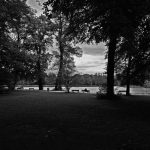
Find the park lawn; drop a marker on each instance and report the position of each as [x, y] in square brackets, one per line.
[59, 121]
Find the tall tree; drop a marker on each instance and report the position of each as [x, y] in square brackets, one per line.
[12, 59]
[134, 50]
[140, 61]
[38, 39]
[65, 45]
[125, 52]
[68, 65]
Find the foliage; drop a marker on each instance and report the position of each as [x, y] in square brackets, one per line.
[66, 49]
[13, 60]
[24, 42]
[38, 39]
[68, 71]
[139, 54]
[101, 21]
[74, 78]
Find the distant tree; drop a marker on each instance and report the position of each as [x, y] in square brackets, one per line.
[88, 79]
[50, 78]
[77, 80]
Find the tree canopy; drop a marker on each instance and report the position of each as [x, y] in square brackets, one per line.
[13, 15]
[102, 21]
[65, 46]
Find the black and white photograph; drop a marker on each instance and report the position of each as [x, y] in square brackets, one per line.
[74, 74]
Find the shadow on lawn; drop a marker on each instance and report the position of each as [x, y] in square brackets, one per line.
[76, 122]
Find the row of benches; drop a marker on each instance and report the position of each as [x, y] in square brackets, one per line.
[84, 91]
[20, 88]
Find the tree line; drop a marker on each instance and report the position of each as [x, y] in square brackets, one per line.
[97, 79]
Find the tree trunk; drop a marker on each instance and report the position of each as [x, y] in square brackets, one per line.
[58, 84]
[128, 78]
[111, 65]
[15, 81]
[40, 83]
[40, 78]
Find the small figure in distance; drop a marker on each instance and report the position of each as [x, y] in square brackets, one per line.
[85, 90]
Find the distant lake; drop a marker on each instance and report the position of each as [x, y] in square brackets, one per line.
[135, 90]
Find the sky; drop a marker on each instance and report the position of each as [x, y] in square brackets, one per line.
[93, 58]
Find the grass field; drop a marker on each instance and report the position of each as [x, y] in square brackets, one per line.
[59, 121]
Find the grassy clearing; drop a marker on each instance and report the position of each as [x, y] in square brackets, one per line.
[60, 121]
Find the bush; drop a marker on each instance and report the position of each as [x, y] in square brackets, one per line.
[102, 96]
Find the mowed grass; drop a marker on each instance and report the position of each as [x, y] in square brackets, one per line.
[59, 121]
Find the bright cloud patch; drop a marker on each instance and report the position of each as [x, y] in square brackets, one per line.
[36, 4]
[94, 49]
[90, 64]
[93, 59]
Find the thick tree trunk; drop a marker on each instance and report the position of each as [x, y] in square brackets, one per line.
[128, 78]
[15, 81]
[58, 84]
[40, 83]
[40, 78]
[59, 79]
[111, 65]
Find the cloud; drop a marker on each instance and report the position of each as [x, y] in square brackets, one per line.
[90, 64]
[94, 49]
[93, 59]
[36, 4]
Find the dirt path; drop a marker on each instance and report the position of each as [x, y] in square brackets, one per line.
[60, 121]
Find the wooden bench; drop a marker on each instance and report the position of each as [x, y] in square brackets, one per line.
[75, 91]
[31, 89]
[19, 88]
[121, 91]
[86, 91]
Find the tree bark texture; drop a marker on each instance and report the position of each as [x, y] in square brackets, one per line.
[59, 79]
[128, 78]
[40, 77]
[110, 65]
